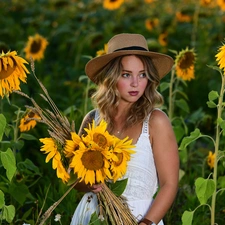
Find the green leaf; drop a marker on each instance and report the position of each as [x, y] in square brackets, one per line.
[179, 132]
[211, 104]
[9, 163]
[188, 140]
[164, 86]
[181, 103]
[2, 199]
[28, 167]
[204, 189]
[96, 221]
[2, 125]
[213, 95]
[73, 179]
[8, 213]
[215, 68]
[118, 187]
[187, 217]
[19, 192]
[27, 137]
[221, 182]
[221, 122]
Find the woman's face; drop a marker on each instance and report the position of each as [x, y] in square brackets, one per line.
[133, 79]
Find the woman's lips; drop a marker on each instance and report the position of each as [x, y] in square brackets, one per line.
[133, 93]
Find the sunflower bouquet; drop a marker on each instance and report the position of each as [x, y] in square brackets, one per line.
[96, 157]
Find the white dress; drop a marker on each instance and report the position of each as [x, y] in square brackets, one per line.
[141, 187]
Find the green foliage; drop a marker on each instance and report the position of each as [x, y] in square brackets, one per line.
[75, 30]
[118, 187]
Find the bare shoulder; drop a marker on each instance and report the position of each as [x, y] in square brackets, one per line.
[158, 118]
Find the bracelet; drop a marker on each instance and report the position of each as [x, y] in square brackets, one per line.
[146, 221]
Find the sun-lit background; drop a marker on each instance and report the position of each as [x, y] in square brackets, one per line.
[61, 36]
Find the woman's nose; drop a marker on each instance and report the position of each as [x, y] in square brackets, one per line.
[134, 81]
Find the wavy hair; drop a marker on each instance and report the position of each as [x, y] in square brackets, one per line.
[107, 97]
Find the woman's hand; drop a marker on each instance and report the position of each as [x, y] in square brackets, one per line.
[95, 188]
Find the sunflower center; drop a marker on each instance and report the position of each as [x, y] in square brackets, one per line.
[31, 114]
[6, 73]
[120, 158]
[100, 139]
[187, 60]
[92, 160]
[35, 46]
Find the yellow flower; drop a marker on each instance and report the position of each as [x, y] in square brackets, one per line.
[72, 145]
[35, 47]
[90, 161]
[120, 156]
[211, 159]
[29, 121]
[102, 51]
[207, 3]
[50, 147]
[184, 63]
[112, 4]
[163, 39]
[150, 24]
[149, 1]
[221, 4]
[220, 57]
[182, 17]
[12, 71]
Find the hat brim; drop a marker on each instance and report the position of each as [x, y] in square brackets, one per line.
[163, 63]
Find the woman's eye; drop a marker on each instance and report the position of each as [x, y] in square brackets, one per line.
[143, 75]
[125, 75]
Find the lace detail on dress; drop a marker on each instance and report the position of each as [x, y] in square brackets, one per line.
[141, 171]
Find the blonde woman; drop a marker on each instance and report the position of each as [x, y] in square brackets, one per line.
[127, 99]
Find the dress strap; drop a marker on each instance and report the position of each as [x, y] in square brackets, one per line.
[145, 128]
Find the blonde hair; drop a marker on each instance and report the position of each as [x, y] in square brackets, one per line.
[107, 97]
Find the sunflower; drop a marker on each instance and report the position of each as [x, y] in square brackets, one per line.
[150, 24]
[121, 154]
[163, 39]
[221, 4]
[184, 63]
[220, 57]
[211, 159]
[29, 121]
[91, 159]
[35, 47]
[12, 71]
[182, 17]
[50, 147]
[102, 51]
[72, 145]
[112, 4]
[149, 1]
[207, 3]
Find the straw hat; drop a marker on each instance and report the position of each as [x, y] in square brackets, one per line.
[128, 44]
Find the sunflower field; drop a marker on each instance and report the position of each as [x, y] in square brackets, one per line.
[50, 41]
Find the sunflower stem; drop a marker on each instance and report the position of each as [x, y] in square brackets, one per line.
[219, 113]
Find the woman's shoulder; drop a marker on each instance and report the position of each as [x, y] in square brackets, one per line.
[158, 118]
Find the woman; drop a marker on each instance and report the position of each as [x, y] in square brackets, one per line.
[127, 99]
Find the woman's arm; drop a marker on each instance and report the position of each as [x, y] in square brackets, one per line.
[166, 158]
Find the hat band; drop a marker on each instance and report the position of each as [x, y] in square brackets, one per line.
[131, 48]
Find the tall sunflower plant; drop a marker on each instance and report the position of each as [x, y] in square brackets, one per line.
[209, 189]
[13, 178]
[96, 157]
[181, 73]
